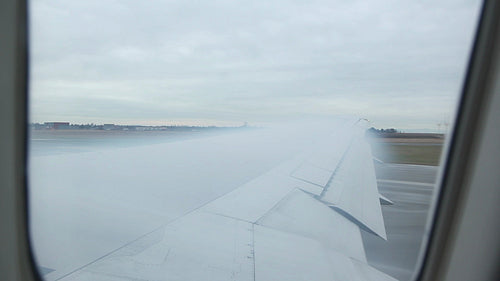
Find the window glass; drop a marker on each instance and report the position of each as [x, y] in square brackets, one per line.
[239, 140]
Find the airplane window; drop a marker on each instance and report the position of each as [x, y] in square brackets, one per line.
[223, 140]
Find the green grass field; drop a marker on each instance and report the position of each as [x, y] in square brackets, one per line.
[408, 153]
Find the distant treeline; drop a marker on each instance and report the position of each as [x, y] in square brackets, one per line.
[393, 133]
[376, 132]
[114, 127]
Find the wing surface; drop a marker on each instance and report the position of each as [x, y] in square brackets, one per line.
[301, 220]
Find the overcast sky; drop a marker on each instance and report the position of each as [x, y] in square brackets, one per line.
[397, 63]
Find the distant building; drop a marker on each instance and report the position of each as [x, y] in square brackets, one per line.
[57, 125]
[108, 127]
[37, 126]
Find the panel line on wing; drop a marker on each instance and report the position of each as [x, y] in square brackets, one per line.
[275, 206]
[304, 180]
[253, 249]
[227, 216]
[108, 254]
[138, 238]
[327, 186]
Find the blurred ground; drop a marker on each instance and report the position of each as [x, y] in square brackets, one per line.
[411, 150]
[410, 187]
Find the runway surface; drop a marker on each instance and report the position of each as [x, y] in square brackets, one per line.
[410, 187]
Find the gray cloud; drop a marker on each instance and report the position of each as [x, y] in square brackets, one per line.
[399, 63]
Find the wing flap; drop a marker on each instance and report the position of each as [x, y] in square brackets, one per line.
[278, 254]
[354, 188]
[300, 214]
[252, 200]
[199, 246]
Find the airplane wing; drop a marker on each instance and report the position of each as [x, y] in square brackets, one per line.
[301, 220]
